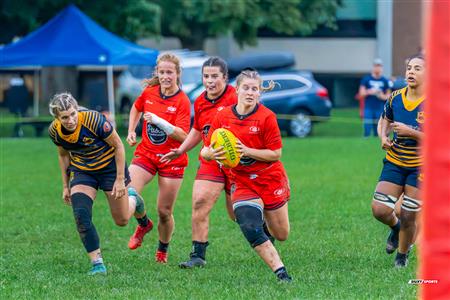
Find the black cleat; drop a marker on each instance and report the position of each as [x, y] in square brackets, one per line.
[401, 260]
[392, 241]
[192, 263]
[284, 277]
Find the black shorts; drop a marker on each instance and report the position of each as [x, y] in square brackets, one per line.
[101, 179]
[400, 175]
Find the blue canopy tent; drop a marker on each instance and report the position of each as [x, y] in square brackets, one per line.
[72, 38]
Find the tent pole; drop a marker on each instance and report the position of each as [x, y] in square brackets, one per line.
[36, 93]
[111, 102]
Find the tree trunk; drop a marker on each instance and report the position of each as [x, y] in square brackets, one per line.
[196, 41]
[58, 80]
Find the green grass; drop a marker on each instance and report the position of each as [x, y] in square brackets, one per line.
[335, 250]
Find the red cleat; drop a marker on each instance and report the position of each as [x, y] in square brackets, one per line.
[138, 236]
[161, 257]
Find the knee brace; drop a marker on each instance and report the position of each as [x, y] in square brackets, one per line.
[387, 200]
[82, 211]
[411, 204]
[249, 216]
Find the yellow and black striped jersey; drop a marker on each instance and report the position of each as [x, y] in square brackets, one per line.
[405, 150]
[86, 145]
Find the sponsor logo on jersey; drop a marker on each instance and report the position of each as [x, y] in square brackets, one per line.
[254, 129]
[206, 129]
[220, 108]
[253, 176]
[279, 192]
[156, 135]
[247, 161]
[88, 140]
[107, 127]
[171, 109]
[148, 102]
[420, 117]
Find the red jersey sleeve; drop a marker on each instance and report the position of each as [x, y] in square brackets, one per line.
[183, 119]
[140, 101]
[272, 135]
[196, 126]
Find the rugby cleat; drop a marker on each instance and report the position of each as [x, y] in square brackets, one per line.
[392, 241]
[138, 236]
[284, 277]
[98, 269]
[192, 263]
[401, 260]
[161, 257]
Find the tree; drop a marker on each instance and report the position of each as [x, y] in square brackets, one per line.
[128, 19]
[192, 21]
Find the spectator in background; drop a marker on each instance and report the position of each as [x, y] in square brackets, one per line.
[375, 90]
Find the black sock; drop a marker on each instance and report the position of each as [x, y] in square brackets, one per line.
[143, 222]
[396, 227]
[163, 247]
[199, 249]
[281, 272]
[402, 255]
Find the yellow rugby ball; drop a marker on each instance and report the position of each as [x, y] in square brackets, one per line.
[226, 139]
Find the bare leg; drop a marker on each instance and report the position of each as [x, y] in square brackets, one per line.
[269, 255]
[205, 195]
[408, 222]
[168, 191]
[278, 222]
[382, 212]
[229, 206]
[139, 179]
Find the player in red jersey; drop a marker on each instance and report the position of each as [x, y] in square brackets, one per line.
[166, 110]
[260, 189]
[211, 179]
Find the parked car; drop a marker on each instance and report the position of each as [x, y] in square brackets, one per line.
[130, 80]
[298, 99]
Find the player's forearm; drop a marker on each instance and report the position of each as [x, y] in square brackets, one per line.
[135, 115]
[417, 135]
[120, 161]
[178, 134]
[265, 155]
[193, 138]
[64, 163]
[384, 127]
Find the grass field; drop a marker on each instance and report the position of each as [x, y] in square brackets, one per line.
[335, 250]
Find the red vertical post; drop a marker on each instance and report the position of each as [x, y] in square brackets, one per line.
[434, 248]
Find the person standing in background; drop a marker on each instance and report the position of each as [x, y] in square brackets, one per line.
[375, 90]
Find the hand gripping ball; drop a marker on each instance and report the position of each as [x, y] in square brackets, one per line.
[226, 139]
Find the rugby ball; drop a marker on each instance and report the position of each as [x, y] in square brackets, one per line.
[226, 139]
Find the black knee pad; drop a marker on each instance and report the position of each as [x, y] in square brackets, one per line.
[82, 211]
[250, 219]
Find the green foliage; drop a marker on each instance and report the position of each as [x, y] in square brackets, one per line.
[192, 21]
[195, 20]
[129, 19]
[335, 249]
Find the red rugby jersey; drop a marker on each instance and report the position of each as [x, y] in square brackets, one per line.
[174, 109]
[258, 129]
[206, 109]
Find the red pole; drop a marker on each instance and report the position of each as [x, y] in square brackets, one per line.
[435, 246]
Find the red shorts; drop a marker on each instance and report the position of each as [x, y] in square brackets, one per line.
[151, 163]
[270, 184]
[211, 171]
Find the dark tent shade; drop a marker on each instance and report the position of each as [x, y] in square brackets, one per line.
[69, 39]
[72, 38]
